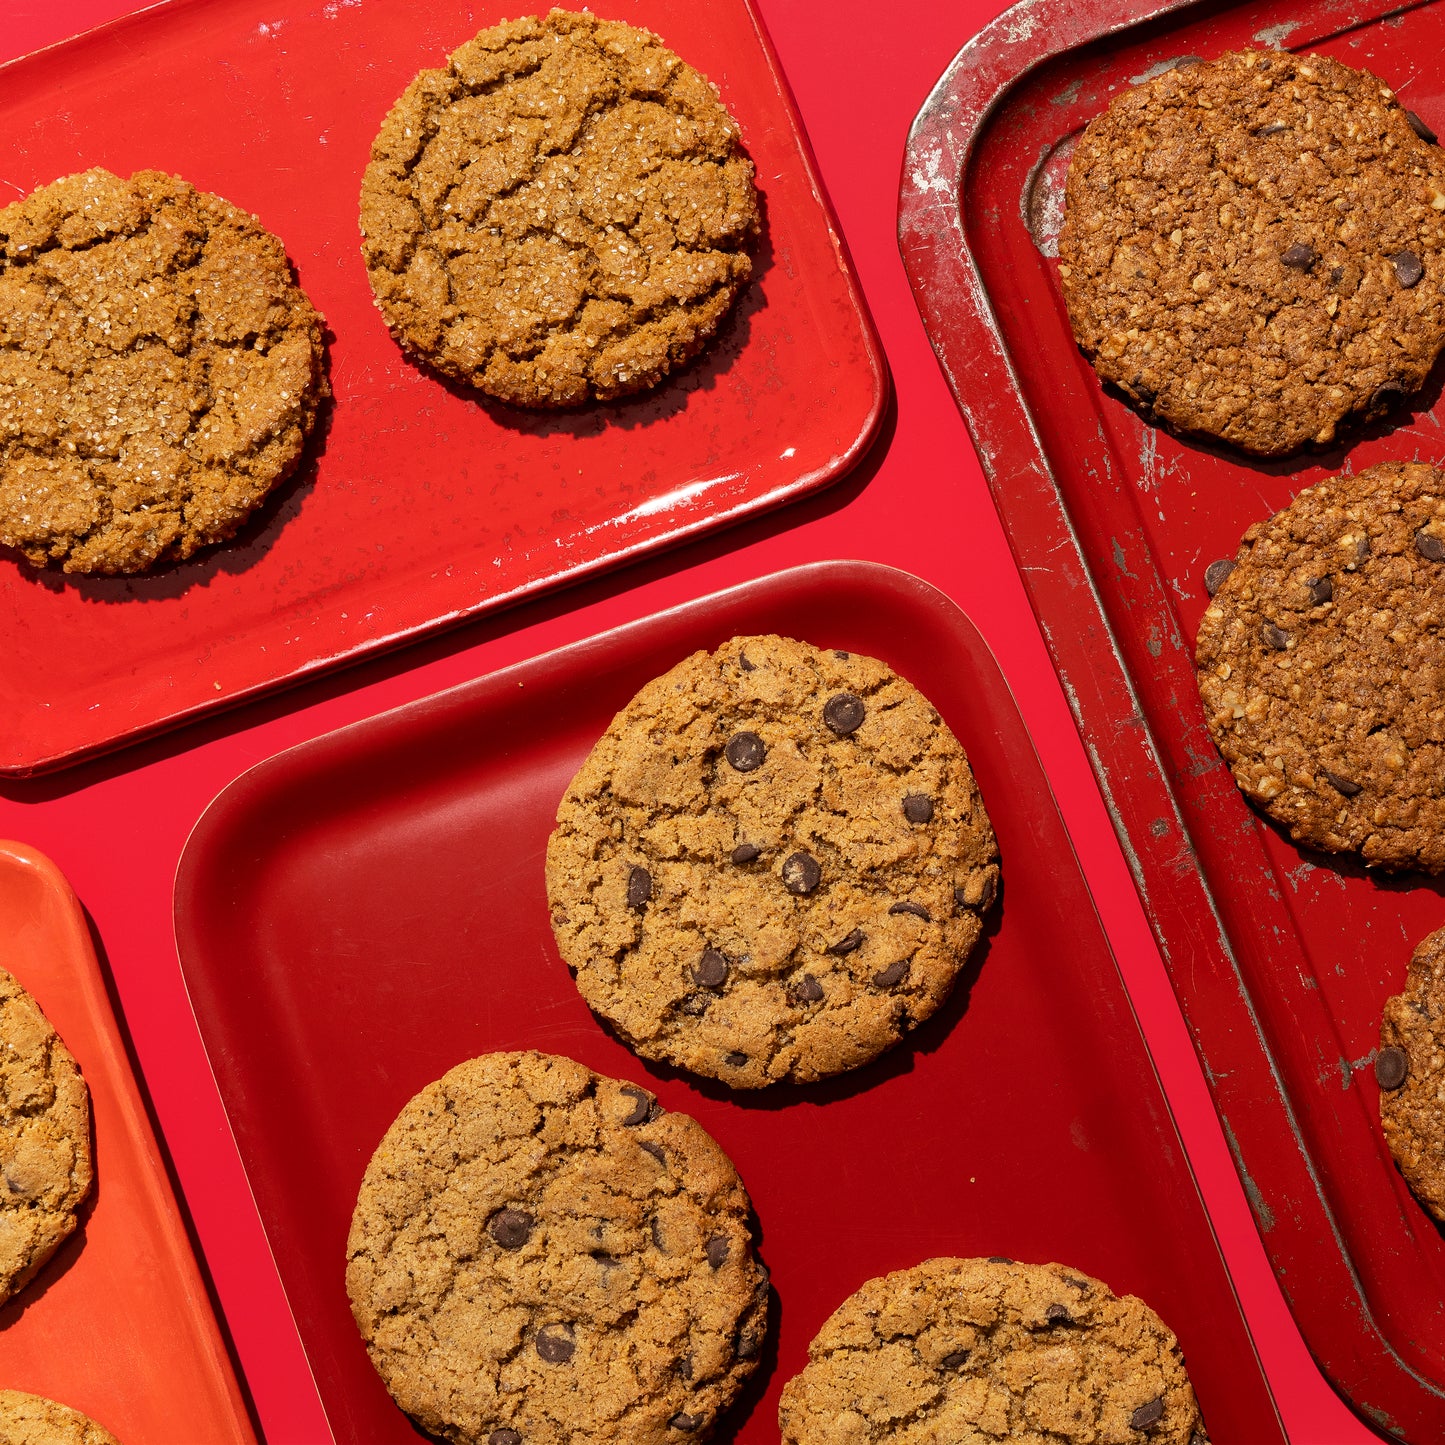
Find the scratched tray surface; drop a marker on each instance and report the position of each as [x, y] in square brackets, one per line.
[420, 505]
[1282, 959]
[360, 913]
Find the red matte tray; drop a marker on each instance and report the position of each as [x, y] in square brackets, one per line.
[119, 1323]
[361, 912]
[1281, 959]
[420, 505]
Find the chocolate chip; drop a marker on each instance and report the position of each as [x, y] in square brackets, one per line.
[717, 1250]
[1342, 785]
[639, 889]
[1430, 548]
[511, 1228]
[1322, 590]
[606, 1261]
[1409, 268]
[1276, 637]
[654, 1149]
[744, 663]
[1275, 127]
[1215, 573]
[890, 975]
[805, 990]
[907, 905]
[842, 656]
[1058, 1315]
[844, 713]
[745, 852]
[1143, 392]
[999, 1259]
[1391, 1067]
[1391, 393]
[953, 1360]
[1337, 274]
[1420, 128]
[918, 807]
[641, 1108]
[556, 1349]
[682, 1367]
[683, 1422]
[735, 1060]
[745, 751]
[801, 874]
[1082, 1285]
[654, 1228]
[1362, 547]
[1147, 1415]
[988, 892]
[695, 1005]
[504, 1437]
[848, 944]
[711, 970]
[1300, 257]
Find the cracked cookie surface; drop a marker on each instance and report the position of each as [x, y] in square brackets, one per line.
[1319, 666]
[1409, 1069]
[45, 1160]
[543, 1256]
[772, 865]
[1254, 248]
[34, 1420]
[974, 1351]
[160, 371]
[562, 214]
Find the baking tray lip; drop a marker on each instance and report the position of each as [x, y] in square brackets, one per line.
[252, 788]
[21, 761]
[941, 146]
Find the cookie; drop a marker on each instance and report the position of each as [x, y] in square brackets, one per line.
[1408, 1069]
[34, 1420]
[562, 214]
[1253, 249]
[983, 1350]
[160, 371]
[773, 865]
[44, 1142]
[543, 1256]
[1318, 664]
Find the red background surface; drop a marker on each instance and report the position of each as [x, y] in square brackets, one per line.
[859, 73]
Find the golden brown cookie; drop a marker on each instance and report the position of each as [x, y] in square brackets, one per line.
[561, 214]
[44, 1142]
[1254, 248]
[160, 371]
[541, 1256]
[773, 864]
[34, 1420]
[977, 1351]
[1319, 666]
[1409, 1070]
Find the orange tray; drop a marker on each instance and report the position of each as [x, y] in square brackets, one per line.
[119, 1324]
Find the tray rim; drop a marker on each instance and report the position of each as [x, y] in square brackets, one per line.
[243, 791]
[18, 762]
[941, 145]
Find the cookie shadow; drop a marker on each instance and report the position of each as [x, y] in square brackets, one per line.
[239, 553]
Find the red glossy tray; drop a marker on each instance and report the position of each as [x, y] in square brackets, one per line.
[119, 1323]
[420, 506]
[1281, 960]
[358, 914]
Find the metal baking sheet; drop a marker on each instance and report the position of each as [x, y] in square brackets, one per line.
[419, 505]
[1281, 959]
[360, 913]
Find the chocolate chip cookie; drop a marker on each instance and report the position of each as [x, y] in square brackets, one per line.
[541, 1255]
[1318, 664]
[561, 214]
[1254, 248]
[160, 371]
[772, 865]
[1408, 1069]
[44, 1142]
[986, 1349]
[34, 1420]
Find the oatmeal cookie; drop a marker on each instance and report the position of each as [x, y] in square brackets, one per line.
[975, 1351]
[543, 1256]
[561, 214]
[160, 371]
[45, 1140]
[772, 865]
[34, 1420]
[1319, 666]
[1254, 248]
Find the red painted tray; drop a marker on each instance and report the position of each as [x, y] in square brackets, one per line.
[119, 1323]
[361, 912]
[421, 506]
[1281, 960]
